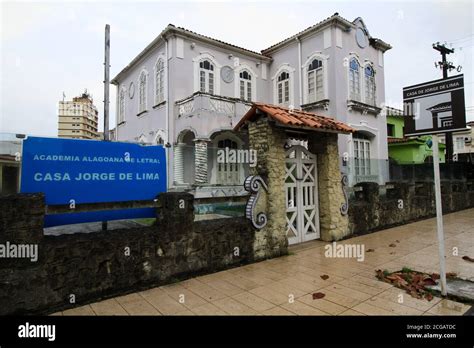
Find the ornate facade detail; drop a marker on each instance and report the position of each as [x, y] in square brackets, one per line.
[222, 106]
[186, 107]
[363, 108]
[253, 184]
[345, 205]
[320, 104]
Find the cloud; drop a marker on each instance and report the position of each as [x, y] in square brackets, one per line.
[48, 48]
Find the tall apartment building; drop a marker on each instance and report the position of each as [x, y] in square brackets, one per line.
[78, 118]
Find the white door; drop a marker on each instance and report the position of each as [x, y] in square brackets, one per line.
[301, 187]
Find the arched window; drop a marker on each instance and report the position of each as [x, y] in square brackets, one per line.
[354, 79]
[228, 173]
[206, 76]
[283, 88]
[159, 81]
[369, 85]
[245, 85]
[142, 90]
[315, 81]
[121, 111]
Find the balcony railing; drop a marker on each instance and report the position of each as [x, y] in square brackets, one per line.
[201, 102]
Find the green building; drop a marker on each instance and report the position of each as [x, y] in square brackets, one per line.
[409, 150]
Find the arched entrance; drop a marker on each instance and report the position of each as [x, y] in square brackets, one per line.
[301, 192]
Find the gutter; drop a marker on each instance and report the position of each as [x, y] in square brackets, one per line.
[167, 111]
[300, 73]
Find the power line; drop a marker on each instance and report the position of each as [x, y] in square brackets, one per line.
[462, 39]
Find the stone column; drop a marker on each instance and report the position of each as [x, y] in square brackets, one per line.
[200, 160]
[334, 226]
[269, 143]
[179, 163]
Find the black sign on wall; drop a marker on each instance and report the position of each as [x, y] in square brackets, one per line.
[435, 107]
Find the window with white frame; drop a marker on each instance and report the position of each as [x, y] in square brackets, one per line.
[361, 154]
[206, 76]
[283, 88]
[121, 113]
[315, 81]
[354, 79]
[369, 85]
[228, 173]
[459, 144]
[159, 81]
[245, 82]
[142, 90]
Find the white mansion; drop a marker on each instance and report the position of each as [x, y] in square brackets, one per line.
[190, 90]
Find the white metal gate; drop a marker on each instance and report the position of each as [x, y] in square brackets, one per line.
[301, 187]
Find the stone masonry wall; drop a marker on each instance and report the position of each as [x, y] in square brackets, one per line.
[92, 266]
[334, 226]
[370, 211]
[269, 143]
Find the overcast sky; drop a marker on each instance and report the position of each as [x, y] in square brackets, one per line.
[51, 47]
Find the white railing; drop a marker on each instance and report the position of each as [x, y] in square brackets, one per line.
[187, 107]
[213, 104]
[222, 106]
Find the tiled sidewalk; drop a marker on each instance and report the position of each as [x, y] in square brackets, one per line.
[284, 286]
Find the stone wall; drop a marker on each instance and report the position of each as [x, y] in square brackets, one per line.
[371, 211]
[334, 226]
[92, 266]
[269, 143]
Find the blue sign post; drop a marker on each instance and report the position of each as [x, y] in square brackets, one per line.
[70, 171]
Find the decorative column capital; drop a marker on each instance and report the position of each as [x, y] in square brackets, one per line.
[202, 140]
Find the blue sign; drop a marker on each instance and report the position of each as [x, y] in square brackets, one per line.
[88, 171]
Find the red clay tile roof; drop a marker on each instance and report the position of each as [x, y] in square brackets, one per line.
[296, 118]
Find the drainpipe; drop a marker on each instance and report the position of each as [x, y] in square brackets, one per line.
[300, 73]
[167, 111]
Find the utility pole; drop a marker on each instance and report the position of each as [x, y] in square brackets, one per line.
[446, 66]
[106, 93]
[106, 82]
[437, 181]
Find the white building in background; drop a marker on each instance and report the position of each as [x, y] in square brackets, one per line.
[190, 90]
[463, 142]
[78, 118]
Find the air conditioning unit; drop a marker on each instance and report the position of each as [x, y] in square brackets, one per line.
[468, 139]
